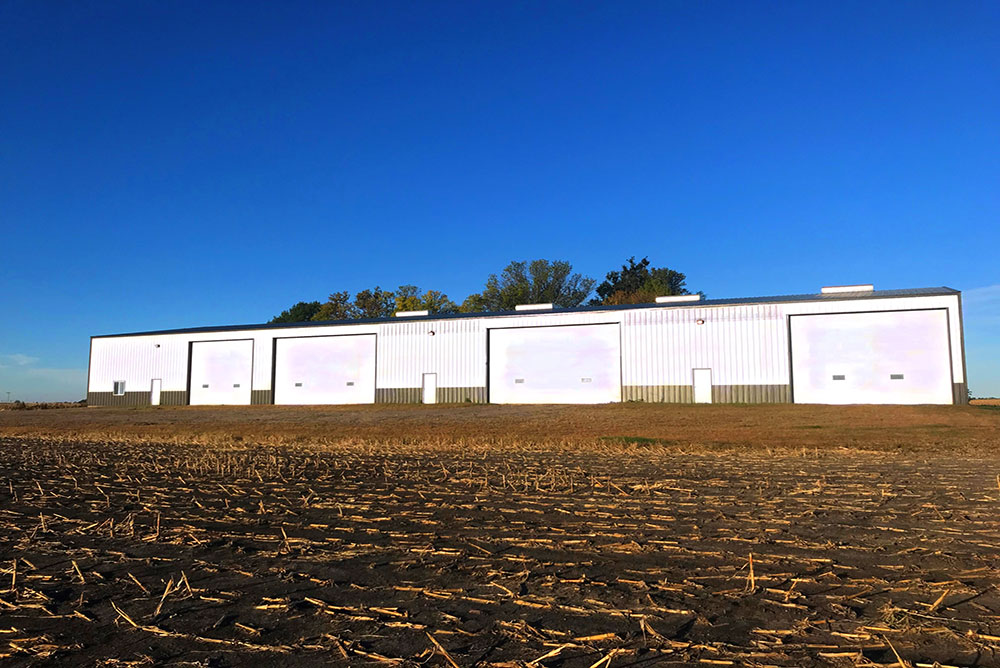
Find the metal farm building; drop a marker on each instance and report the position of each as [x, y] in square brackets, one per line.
[849, 344]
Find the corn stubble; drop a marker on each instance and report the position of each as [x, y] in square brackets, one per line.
[570, 553]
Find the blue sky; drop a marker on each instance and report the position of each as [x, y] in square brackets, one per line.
[186, 163]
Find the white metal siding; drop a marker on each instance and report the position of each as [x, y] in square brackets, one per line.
[456, 352]
[325, 370]
[743, 344]
[138, 360]
[221, 372]
[894, 357]
[555, 365]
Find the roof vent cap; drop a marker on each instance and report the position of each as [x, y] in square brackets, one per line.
[678, 298]
[533, 307]
[834, 289]
[410, 314]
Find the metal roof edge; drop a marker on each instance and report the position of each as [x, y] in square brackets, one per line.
[729, 301]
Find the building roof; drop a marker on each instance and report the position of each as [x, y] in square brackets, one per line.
[775, 299]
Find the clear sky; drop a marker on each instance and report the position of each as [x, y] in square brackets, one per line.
[175, 164]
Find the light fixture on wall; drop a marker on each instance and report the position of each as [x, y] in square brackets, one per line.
[699, 321]
[430, 333]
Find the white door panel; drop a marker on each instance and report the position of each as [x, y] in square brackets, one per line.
[325, 370]
[892, 357]
[221, 372]
[154, 391]
[577, 364]
[702, 379]
[429, 395]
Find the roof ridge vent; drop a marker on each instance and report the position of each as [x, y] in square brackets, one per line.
[678, 298]
[834, 289]
[533, 307]
[411, 314]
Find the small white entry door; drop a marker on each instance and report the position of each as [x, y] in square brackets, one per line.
[702, 386]
[430, 388]
[154, 392]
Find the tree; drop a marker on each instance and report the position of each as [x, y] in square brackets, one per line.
[410, 298]
[337, 307]
[637, 283]
[377, 303]
[301, 312]
[537, 282]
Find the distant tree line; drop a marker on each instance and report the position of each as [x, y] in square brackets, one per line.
[528, 282]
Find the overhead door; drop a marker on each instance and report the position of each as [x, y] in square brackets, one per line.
[325, 370]
[890, 357]
[221, 372]
[576, 364]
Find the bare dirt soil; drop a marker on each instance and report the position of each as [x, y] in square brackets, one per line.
[501, 536]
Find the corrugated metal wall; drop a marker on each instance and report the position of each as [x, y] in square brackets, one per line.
[745, 345]
[742, 345]
[454, 351]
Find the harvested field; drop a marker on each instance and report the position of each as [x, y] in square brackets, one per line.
[423, 536]
[688, 426]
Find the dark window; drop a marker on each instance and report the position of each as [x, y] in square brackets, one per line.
[838, 376]
[119, 390]
[896, 376]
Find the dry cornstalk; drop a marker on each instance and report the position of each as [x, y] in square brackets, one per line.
[187, 585]
[135, 580]
[443, 651]
[751, 585]
[604, 661]
[903, 663]
[121, 613]
[938, 602]
[166, 592]
[549, 654]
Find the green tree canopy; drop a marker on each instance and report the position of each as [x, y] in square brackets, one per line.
[374, 303]
[377, 303]
[535, 282]
[638, 283]
[337, 307]
[410, 298]
[301, 312]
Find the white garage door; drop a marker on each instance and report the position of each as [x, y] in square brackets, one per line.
[894, 357]
[325, 370]
[577, 364]
[221, 372]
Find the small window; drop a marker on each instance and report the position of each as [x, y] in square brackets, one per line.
[205, 385]
[350, 383]
[585, 380]
[236, 384]
[119, 388]
[298, 384]
[519, 381]
[838, 376]
[895, 376]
